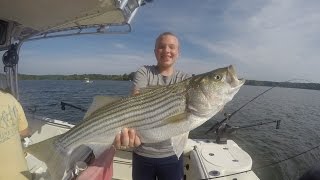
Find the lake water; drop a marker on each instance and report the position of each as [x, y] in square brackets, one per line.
[297, 109]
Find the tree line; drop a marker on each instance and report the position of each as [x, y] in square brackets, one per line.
[124, 77]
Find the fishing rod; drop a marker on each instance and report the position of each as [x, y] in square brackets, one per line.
[33, 109]
[221, 125]
[228, 116]
[64, 104]
[223, 131]
[261, 123]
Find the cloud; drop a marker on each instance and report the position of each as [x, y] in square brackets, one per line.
[274, 40]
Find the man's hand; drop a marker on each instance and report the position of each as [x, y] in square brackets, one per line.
[127, 138]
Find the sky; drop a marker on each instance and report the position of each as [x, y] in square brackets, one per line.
[273, 40]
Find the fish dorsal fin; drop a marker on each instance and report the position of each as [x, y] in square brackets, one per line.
[100, 101]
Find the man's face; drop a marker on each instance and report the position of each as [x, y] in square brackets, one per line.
[167, 51]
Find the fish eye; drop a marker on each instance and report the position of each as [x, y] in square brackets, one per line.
[217, 77]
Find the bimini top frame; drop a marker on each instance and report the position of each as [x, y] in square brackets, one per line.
[22, 21]
[36, 19]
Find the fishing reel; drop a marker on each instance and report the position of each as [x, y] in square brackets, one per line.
[78, 162]
[10, 58]
[64, 104]
[223, 130]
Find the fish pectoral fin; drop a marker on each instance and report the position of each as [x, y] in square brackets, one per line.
[177, 118]
[179, 142]
[100, 101]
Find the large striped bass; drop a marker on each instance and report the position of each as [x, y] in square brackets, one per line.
[156, 114]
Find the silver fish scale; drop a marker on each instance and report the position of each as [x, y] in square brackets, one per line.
[144, 111]
[112, 111]
[121, 105]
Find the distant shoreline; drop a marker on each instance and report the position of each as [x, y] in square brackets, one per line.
[127, 77]
[124, 77]
[313, 86]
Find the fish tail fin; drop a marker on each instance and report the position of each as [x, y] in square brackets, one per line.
[42, 150]
[46, 152]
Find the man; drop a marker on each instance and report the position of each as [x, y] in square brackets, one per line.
[13, 127]
[159, 159]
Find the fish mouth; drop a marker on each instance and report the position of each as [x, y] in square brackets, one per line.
[232, 78]
[236, 86]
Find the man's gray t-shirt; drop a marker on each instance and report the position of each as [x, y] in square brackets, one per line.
[150, 76]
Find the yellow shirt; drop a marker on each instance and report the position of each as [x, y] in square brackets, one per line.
[13, 165]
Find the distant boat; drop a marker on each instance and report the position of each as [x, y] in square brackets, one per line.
[87, 80]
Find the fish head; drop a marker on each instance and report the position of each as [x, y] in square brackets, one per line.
[210, 91]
